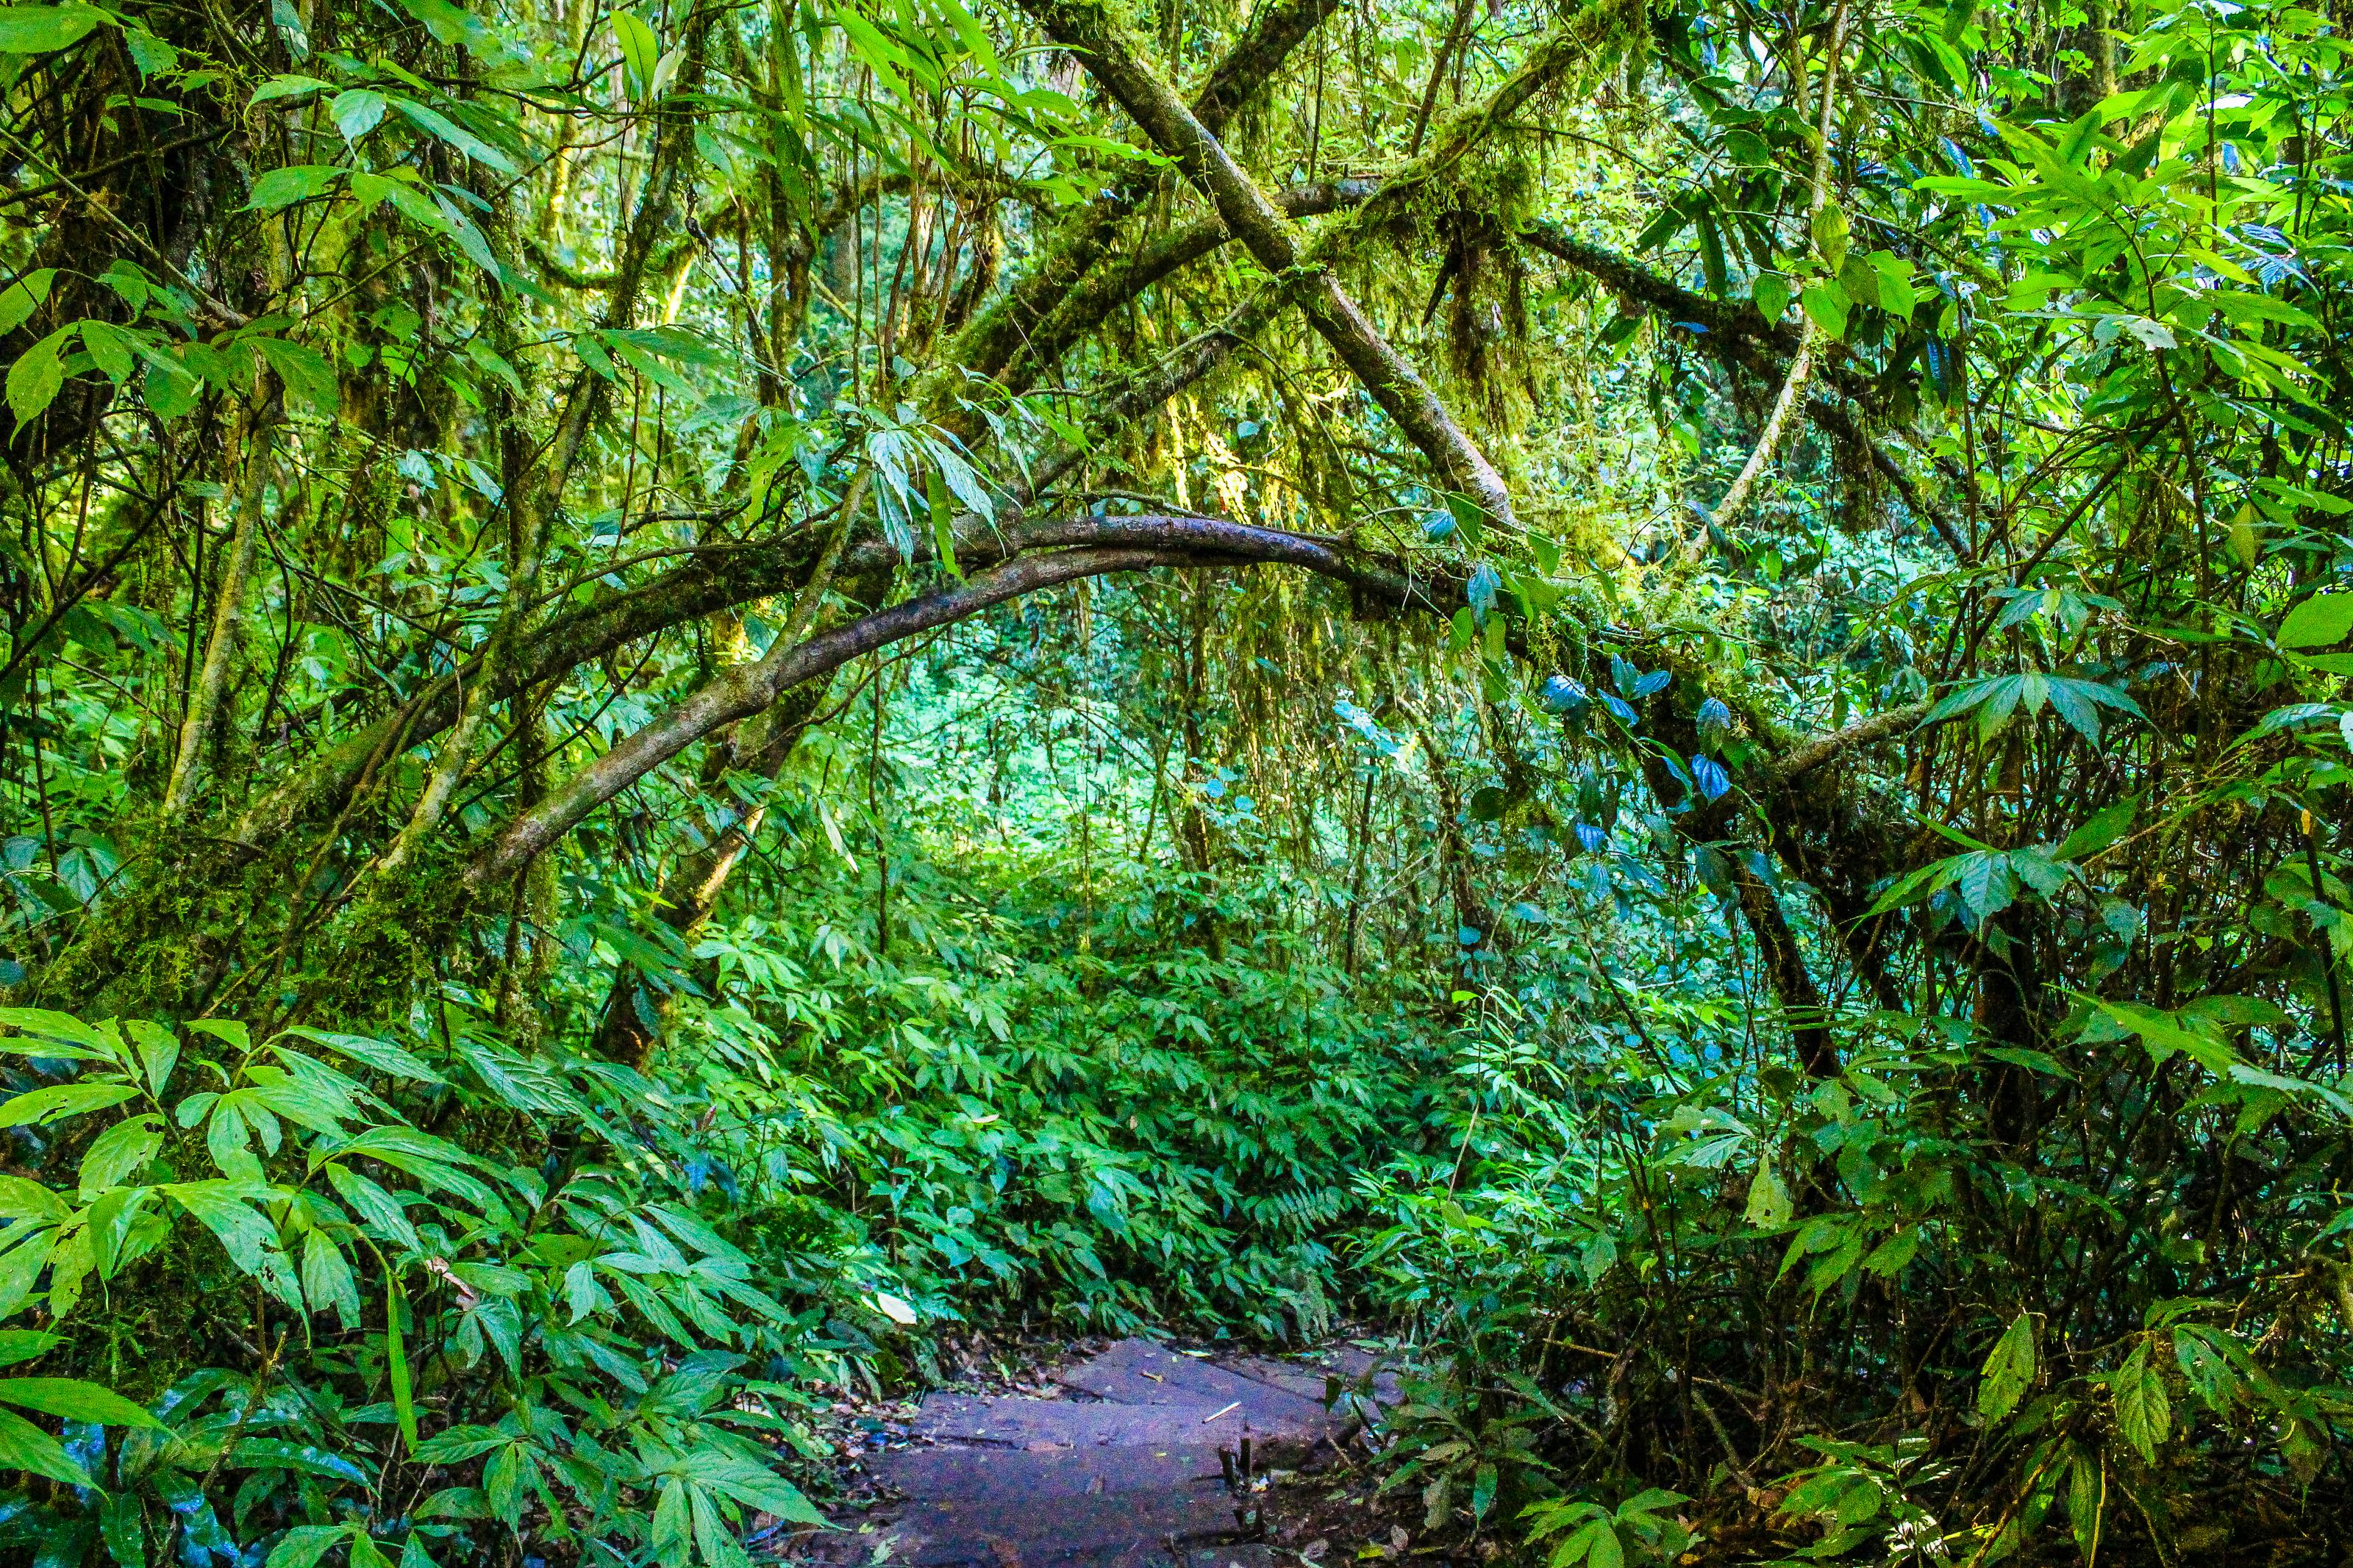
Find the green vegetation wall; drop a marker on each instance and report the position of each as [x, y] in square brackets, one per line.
[1654, 692]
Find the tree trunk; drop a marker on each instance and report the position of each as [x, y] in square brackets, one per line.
[249, 439]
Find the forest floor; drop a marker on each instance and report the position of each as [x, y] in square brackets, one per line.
[1122, 1453]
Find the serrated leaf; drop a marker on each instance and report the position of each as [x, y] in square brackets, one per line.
[328, 1281]
[2205, 1362]
[1770, 1204]
[2144, 1415]
[2008, 1370]
[2165, 1034]
[120, 1151]
[59, 1100]
[382, 1055]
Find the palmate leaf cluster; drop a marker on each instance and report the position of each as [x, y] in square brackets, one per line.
[613, 1312]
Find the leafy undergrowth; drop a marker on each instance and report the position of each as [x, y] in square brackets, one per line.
[414, 1298]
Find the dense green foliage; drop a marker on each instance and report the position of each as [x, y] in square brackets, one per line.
[1654, 692]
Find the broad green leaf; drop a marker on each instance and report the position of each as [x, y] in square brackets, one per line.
[121, 1152]
[23, 1198]
[38, 376]
[2165, 1035]
[43, 29]
[1770, 1201]
[328, 1281]
[1482, 1489]
[21, 1265]
[2102, 828]
[25, 296]
[296, 183]
[433, 123]
[379, 1210]
[1889, 1257]
[309, 1459]
[2318, 621]
[289, 85]
[305, 372]
[1827, 304]
[357, 110]
[756, 1486]
[159, 1052]
[303, 1545]
[395, 1360]
[2144, 1415]
[24, 1344]
[1897, 296]
[2205, 1357]
[2008, 1370]
[582, 1294]
[243, 1231]
[74, 1400]
[712, 1539]
[42, 1106]
[382, 1055]
[1831, 237]
[119, 1519]
[447, 23]
[640, 51]
[2087, 1498]
[24, 1446]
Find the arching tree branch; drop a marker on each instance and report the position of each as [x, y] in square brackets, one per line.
[1042, 557]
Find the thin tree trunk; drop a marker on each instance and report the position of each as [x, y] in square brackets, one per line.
[1359, 852]
[250, 440]
[1471, 913]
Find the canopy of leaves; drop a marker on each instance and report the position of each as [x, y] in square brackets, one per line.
[695, 697]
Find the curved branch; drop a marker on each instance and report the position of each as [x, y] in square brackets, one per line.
[1813, 753]
[1105, 290]
[1082, 547]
